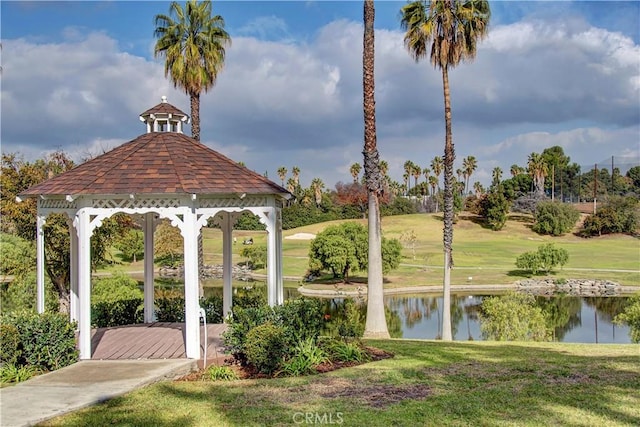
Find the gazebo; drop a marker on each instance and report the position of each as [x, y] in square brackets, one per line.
[160, 174]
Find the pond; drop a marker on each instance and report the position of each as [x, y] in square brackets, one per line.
[575, 319]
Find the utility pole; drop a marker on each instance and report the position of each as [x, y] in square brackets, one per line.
[553, 182]
[595, 186]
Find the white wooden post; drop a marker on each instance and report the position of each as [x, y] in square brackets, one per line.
[84, 283]
[74, 304]
[272, 268]
[149, 228]
[190, 231]
[40, 263]
[227, 264]
[279, 279]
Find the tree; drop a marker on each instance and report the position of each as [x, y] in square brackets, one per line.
[544, 259]
[131, 245]
[513, 317]
[436, 167]
[469, 165]
[376, 324]
[408, 173]
[538, 171]
[417, 173]
[355, 171]
[556, 161]
[555, 218]
[296, 175]
[282, 174]
[168, 243]
[343, 249]
[452, 28]
[316, 186]
[192, 42]
[496, 176]
[494, 208]
[433, 183]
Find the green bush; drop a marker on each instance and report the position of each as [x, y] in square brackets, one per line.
[242, 321]
[345, 321]
[555, 218]
[494, 208]
[221, 373]
[513, 317]
[631, 316]
[115, 301]
[265, 347]
[47, 340]
[307, 355]
[169, 306]
[20, 294]
[213, 308]
[10, 373]
[346, 351]
[618, 215]
[256, 254]
[9, 344]
[544, 259]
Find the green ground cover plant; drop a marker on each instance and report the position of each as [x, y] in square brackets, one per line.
[425, 383]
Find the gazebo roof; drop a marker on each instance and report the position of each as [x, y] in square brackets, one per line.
[163, 108]
[158, 163]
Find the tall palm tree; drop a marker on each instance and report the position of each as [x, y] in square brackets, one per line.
[496, 176]
[355, 171]
[538, 170]
[282, 173]
[433, 182]
[469, 165]
[436, 166]
[516, 170]
[452, 28]
[192, 42]
[426, 171]
[408, 170]
[477, 187]
[317, 185]
[296, 174]
[376, 323]
[416, 171]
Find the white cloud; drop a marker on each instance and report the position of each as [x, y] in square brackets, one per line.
[533, 85]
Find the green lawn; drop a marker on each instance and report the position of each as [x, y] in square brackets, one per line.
[486, 256]
[429, 383]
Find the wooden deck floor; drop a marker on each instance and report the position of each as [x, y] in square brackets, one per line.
[152, 341]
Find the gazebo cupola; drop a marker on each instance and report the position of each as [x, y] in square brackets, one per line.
[164, 117]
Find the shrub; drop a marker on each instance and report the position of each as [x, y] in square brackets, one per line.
[256, 254]
[346, 351]
[544, 259]
[513, 317]
[242, 321]
[306, 356]
[631, 316]
[221, 373]
[494, 208]
[213, 308]
[265, 347]
[9, 342]
[10, 373]
[116, 301]
[347, 321]
[618, 215]
[169, 306]
[555, 218]
[47, 340]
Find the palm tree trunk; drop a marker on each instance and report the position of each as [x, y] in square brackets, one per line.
[376, 323]
[195, 116]
[449, 157]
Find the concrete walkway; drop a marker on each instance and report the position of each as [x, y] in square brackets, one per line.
[80, 385]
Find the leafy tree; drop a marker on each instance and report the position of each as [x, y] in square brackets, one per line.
[192, 42]
[634, 175]
[555, 218]
[131, 245]
[631, 316]
[494, 208]
[453, 29]
[168, 243]
[544, 259]
[618, 215]
[248, 221]
[513, 317]
[343, 249]
[282, 174]
[256, 254]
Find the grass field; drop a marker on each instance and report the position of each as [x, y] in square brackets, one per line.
[427, 383]
[488, 257]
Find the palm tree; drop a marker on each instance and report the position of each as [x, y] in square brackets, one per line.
[384, 167]
[193, 44]
[452, 27]
[282, 173]
[496, 176]
[433, 182]
[417, 173]
[477, 187]
[291, 185]
[469, 165]
[516, 170]
[538, 171]
[296, 174]
[355, 171]
[376, 323]
[317, 185]
[408, 171]
[426, 171]
[436, 166]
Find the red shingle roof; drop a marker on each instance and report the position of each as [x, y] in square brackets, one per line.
[158, 163]
[164, 108]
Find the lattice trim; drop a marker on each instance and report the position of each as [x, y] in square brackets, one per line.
[56, 204]
[233, 202]
[159, 202]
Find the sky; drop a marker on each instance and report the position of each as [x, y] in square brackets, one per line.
[77, 75]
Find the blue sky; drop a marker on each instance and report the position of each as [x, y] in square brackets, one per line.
[77, 74]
